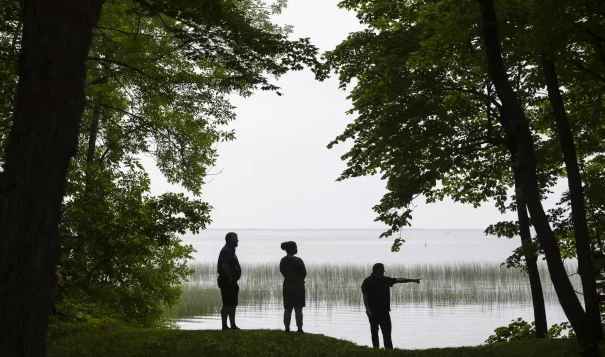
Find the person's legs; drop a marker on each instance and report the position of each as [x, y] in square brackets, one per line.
[225, 298]
[386, 327]
[224, 314]
[287, 317]
[234, 293]
[299, 318]
[232, 318]
[229, 295]
[374, 331]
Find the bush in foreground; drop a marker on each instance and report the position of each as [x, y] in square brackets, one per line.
[520, 329]
[256, 343]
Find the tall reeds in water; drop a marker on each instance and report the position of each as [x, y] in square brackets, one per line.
[328, 285]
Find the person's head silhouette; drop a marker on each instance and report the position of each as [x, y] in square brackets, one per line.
[290, 247]
[232, 239]
[378, 269]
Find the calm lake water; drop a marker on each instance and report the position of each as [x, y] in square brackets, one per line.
[417, 324]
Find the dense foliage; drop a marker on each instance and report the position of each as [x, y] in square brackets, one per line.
[519, 330]
[427, 116]
[450, 101]
[158, 84]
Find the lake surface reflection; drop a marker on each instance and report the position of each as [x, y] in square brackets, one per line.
[418, 324]
[414, 326]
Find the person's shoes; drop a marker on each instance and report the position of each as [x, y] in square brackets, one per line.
[225, 327]
[287, 329]
[300, 330]
[235, 328]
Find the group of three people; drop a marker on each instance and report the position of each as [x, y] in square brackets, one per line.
[375, 290]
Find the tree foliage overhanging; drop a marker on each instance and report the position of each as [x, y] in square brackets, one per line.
[427, 116]
[467, 100]
[159, 78]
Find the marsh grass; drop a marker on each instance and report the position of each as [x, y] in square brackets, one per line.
[330, 285]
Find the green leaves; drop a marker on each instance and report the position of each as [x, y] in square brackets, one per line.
[130, 259]
[10, 44]
[425, 122]
[167, 69]
[427, 118]
[503, 229]
[519, 330]
[159, 78]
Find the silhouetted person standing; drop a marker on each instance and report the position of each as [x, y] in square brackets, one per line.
[294, 272]
[376, 291]
[229, 272]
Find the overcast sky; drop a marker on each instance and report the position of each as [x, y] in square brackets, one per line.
[278, 173]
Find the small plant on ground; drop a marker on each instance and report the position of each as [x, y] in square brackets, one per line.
[520, 329]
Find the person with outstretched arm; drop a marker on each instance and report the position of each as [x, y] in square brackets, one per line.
[376, 291]
[229, 272]
[294, 272]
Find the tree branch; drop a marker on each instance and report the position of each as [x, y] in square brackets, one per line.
[465, 90]
[121, 64]
[477, 93]
[144, 123]
[74, 237]
[105, 152]
[597, 37]
[85, 198]
[580, 66]
[124, 32]
[475, 147]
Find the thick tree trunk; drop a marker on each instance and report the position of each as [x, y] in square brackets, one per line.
[528, 174]
[531, 260]
[578, 205]
[43, 138]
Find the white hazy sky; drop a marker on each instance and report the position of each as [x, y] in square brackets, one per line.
[278, 173]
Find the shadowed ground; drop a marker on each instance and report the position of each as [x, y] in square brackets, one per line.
[262, 343]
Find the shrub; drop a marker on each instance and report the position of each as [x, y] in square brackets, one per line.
[520, 329]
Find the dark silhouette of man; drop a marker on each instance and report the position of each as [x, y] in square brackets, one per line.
[229, 272]
[376, 291]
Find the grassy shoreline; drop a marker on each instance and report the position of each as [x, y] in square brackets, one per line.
[469, 283]
[127, 342]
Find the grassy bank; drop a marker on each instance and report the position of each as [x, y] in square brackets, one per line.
[333, 284]
[263, 343]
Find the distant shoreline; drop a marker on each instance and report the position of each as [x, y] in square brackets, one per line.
[342, 229]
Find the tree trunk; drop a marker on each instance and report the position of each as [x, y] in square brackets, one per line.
[528, 174]
[531, 257]
[92, 140]
[578, 205]
[43, 138]
[531, 260]
[94, 129]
